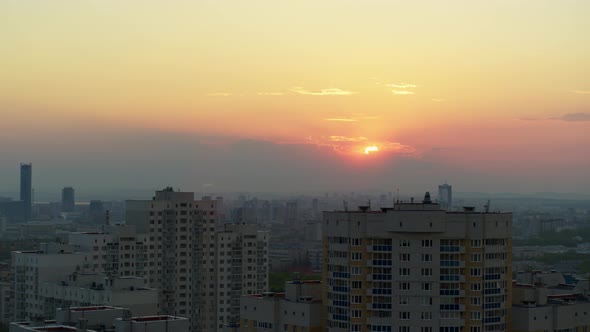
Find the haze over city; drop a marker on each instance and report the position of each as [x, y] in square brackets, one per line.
[280, 96]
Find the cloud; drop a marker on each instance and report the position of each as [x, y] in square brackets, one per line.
[437, 99]
[575, 117]
[322, 92]
[347, 139]
[402, 85]
[582, 92]
[402, 92]
[341, 119]
[270, 93]
[219, 94]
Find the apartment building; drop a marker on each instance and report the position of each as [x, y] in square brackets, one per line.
[200, 272]
[417, 268]
[52, 263]
[93, 289]
[299, 309]
[117, 250]
[549, 303]
[181, 253]
[242, 267]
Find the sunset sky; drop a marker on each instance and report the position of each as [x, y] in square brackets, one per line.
[491, 96]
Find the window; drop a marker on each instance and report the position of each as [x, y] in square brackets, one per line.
[475, 315]
[426, 272]
[476, 257]
[426, 286]
[404, 286]
[353, 328]
[427, 301]
[404, 271]
[476, 286]
[404, 257]
[426, 329]
[356, 284]
[355, 270]
[355, 313]
[356, 299]
[476, 301]
[355, 242]
[426, 315]
[357, 256]
[426, 243]
[475, 272]
[404, 300]
[404, 243]
[404, 329]
[426, 257]
[404, 315]
[476, 243]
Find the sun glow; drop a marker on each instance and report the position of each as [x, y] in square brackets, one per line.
[371, 148]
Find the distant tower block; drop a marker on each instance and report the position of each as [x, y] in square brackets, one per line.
[26, 189]
[445, 196]
[68, 200]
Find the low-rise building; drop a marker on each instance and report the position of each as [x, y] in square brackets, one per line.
[103, 318]
[298, 309]
[92, 289]
[548, 305]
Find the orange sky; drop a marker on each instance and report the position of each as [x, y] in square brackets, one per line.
[488, 86]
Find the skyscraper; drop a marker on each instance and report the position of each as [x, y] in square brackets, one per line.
[26, 189]
[417, 268]
[445, 196]
[67, 199]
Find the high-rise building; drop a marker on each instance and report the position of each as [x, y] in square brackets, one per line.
[181, 253]
[242, 268]
[26, 189]
[445, 196]
[417, 268]
[201, 273]
[68, 201]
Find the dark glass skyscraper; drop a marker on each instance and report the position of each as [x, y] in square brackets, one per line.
[26, 189]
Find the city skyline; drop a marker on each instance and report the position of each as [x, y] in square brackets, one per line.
[268, 96]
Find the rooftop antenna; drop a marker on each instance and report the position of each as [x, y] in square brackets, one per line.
[397, 194]
[487, 207]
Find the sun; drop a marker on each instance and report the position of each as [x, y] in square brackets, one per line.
[372, 148]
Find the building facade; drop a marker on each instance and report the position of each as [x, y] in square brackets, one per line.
[242, 268]
[299, 309]
[52, 263]
[200, 272]
[417, 268]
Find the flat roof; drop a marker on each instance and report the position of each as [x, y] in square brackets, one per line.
[156, 318]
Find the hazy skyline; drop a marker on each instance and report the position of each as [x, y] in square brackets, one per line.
[280, 96]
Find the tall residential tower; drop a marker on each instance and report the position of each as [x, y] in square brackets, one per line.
[417, 268]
